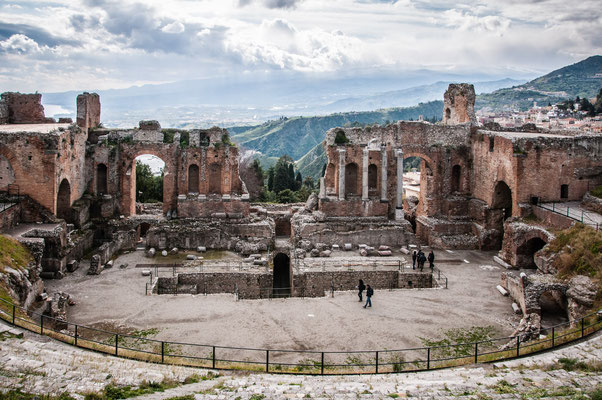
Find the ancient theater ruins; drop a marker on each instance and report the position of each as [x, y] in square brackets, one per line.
[69, 194]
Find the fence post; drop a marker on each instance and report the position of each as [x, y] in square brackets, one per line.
[213, 357]
[582, 327]
[439, 272]
[428, 358]
[75, 336]
[553, 328]
[13, 314]
[476, 352]
[517, 346]
[116, 344]
[267, 361]
[162, 352]
[42, 325]
[322, 365]
[446, 282]
[377, 362]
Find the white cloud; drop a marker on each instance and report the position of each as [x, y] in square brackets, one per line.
[20, 44]
[174, 27]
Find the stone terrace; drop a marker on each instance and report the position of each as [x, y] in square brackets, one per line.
[40, 365]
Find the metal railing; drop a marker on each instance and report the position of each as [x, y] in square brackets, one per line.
[579, 215]
[297, 361]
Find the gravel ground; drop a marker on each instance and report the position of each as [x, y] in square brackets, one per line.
[116, 299]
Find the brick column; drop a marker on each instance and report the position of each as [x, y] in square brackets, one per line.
[399, 154]
[342, 174]
[383, 174]
[365, 175]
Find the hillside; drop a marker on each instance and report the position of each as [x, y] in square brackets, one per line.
[583, 79]
[298, 135]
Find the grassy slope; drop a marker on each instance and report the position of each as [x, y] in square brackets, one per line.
[12, 255]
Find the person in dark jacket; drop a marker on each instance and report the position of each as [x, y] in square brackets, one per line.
[414, 256]
[361, 287]
[369, 293]
[431, 259]
[421, 259]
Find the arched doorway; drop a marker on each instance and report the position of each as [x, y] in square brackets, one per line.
[7, 174]
[372, 178]
[63, 201]
[193, 179]
[502, 199]
[526, 251]
[456, 178]
[147, 183]
[351, 179]
[215, 178]
[101, 179]
[282, 276]
[553, 306]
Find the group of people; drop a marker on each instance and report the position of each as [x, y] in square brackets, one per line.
[369, 293]
[417, 257]
[420, 258]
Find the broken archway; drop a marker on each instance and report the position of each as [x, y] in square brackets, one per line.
[63, 201]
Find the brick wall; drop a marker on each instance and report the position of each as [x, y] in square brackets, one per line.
[23, 108]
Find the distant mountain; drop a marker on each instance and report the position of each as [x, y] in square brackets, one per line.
[410, 96]
[583, 79]
[299, 135]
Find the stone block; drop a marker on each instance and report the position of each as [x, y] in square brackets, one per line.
[503, 291]
[191, 257]
[348, 246]
[201, 249]
[384, 253]
[146, 272]
[72, 265]
[164, 253]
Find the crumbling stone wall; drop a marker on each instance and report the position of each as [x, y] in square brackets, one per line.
[18, 108]
[516, 237]
[88, 111]
[458, 104]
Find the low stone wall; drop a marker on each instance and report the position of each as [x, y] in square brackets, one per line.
[308, 284]
[193, 207]
[210, 233]
[121, 240]
[552, 219]
[358, 207]
[10, 217]
[514, 285]
[81, 245]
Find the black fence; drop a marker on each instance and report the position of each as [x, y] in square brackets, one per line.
[296, 361]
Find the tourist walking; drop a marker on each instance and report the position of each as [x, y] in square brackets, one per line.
[369, 293]
[361, 287]
[414, 256]
[431, 259]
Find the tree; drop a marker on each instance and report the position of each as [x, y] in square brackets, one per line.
[309, 182]
[271, 178]
[298, 181]
[287, 196]
[292, 185]
[149, 188]
[282, 179]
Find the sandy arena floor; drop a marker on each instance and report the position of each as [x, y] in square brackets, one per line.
[396, 320]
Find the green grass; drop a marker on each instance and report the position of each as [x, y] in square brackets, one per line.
[597, 192]
[19, 395]
[13, 254]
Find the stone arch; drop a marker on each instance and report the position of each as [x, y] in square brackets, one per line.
[128, 180]
[351, 175]
[525, 252]
[63, 201]
[282, 279]
[502, 199]
[372, 177]
[193, 178]
[427, 188]
[553, 307]
[456, 178]
[215, 178]
[101, 179]
[7, 174]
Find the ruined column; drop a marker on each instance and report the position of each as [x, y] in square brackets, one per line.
[399, 154]
[342, 174]
[365, 175]
[383, 175]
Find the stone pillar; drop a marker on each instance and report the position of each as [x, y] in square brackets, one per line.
[383, 174]
[342, 174]
[399, 155]
[365, 175]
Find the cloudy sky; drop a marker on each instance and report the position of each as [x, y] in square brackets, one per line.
[59, 45]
